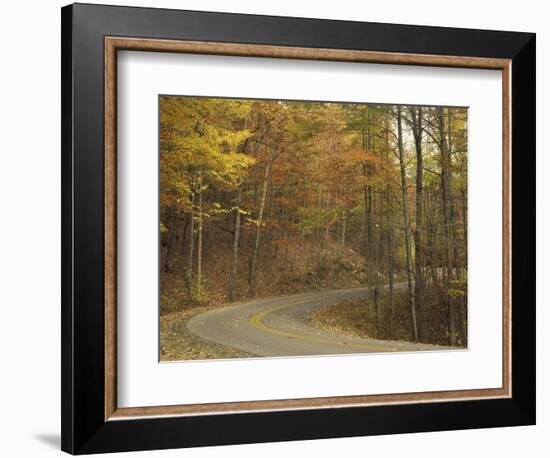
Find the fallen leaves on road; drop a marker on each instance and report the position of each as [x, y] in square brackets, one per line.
[178, 344]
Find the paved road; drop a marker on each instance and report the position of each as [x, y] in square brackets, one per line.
[279, 327]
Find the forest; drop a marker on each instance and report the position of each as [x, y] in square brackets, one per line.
[264, 198]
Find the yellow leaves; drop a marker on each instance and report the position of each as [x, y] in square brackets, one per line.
[201, 136]
[354, 156]
[233, 139]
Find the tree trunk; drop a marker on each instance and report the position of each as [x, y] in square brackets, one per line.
[166, 237]
[452, 204]
[321, 241]
[465, 232]
[389, 236]
[406, 223]
[199, 242]
[191, 248]
[344, 220]
[419, 285]
[176, 234]
[379, 280]
[446, 187]
[369, 251]
[254, 261]
[236, 235]
[371, 254]
[465, 223]
[167, 240]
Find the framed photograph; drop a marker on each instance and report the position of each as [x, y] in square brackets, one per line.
[283, 228]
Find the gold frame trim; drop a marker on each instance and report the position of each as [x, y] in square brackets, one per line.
[112, 45]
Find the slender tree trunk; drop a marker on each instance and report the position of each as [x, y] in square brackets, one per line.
[320, 240]
[286, 238]
[269, 229]
[406, 224]
[344, 220]
[431, 230]
[365, 204]
[419, 285]
[388, 230]
[379, 280]
[465, 222]
[389, 235]
[199, 242]
[236, 235]
[366, 218]
[465, 235]
[168, 240]
[254, 262]
[176, 234]
[191, 248]
[166, 237]
[446, 187]
[369, 251]
[371, 260]
[452, 203]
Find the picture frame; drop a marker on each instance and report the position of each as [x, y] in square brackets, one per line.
[92, 35]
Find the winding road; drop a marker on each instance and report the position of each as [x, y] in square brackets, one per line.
[280, 327]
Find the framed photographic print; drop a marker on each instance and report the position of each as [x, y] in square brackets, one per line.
[281, 228]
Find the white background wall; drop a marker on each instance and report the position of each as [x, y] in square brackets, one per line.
[30, 227]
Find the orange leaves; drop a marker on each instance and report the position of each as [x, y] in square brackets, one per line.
[286, 202]
[281, 242]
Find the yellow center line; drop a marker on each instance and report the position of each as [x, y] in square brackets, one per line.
[256, 321]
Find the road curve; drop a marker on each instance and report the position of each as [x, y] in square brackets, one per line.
[280, 327]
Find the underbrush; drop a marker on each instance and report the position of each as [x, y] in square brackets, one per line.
[334, 267]
[353, 318]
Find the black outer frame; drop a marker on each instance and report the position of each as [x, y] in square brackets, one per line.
[84, 429]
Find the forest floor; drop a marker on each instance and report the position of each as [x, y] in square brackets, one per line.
[335, 268]
[352, 318]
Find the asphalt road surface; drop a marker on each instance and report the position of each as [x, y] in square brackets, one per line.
[280, 327]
